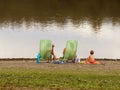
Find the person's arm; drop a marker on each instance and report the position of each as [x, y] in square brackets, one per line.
[52, 51]
[87, 59]
[64, 51]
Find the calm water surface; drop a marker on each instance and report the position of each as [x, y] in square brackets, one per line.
[95, 24]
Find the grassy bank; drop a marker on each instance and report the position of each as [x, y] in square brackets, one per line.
[25, 78]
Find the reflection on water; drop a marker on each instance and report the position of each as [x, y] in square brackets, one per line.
[45, 11]
[22, 40]
[94, 23]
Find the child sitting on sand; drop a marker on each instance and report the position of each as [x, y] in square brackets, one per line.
[91, 59]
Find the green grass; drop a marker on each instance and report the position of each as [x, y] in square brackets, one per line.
[59, 79]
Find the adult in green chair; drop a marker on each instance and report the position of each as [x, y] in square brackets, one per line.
[69, 52]
[47, 50]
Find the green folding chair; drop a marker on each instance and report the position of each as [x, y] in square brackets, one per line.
[71, 49]
[45, 49]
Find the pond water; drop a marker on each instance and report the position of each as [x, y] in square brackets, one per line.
[95, 24]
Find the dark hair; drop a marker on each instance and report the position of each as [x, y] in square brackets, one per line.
[91, 52]
[52, 45]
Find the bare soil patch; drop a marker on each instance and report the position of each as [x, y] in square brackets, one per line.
[31, 64]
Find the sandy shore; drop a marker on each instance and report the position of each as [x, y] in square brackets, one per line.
[31, 64]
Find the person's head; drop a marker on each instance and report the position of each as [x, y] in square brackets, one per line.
[53, 45]
[91, 52]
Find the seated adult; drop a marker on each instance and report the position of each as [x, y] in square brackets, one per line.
[53, 56]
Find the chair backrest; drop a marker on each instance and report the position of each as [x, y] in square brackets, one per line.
[71, 49]
[45, 49]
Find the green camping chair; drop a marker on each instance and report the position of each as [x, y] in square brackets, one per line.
[71, 49]
[45, 49]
